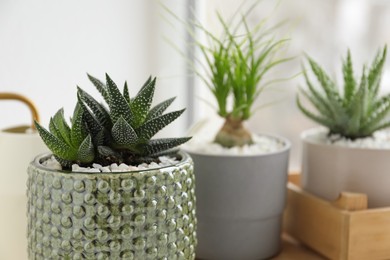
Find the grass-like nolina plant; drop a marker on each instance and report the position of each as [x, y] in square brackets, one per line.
[120, 133]
[236, 65]
[357, 110]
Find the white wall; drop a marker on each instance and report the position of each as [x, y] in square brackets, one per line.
[46, 48]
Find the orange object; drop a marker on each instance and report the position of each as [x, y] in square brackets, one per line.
[28, 102]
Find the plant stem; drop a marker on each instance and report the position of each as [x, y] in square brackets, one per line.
[233, 133]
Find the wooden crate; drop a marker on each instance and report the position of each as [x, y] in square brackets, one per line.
[343, 229]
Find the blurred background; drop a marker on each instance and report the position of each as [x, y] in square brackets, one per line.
[47, 47]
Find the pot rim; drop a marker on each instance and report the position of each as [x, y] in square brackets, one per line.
[306, 134]
[286, 147]
[185, 158]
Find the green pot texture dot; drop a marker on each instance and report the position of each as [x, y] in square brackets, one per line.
[147, 214]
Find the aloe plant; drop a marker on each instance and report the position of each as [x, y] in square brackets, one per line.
[236, 65]
[120, 133]
[357, 110]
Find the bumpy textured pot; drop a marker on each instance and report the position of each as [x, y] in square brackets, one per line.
[240, 202]
[327, 170]
[134, 215]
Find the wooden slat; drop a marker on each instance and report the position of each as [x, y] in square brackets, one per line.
[315, 222]
[369, 236]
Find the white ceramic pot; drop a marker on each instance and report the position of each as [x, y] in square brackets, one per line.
[240, 202]
[17, 149]
[328, 170]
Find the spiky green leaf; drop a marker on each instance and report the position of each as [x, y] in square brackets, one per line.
[119, 106]
[142, 102]
[153, 126]
[57, 146]
[100, 87]
[158, 145]
[159, 109]
[349, 79]
[62, 126]
[86, 151]
[78, 131]
[99, 111]
[126, 94]
[123, 134]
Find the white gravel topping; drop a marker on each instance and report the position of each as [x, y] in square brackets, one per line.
[53, 164]
[380, 139]
[263, 144]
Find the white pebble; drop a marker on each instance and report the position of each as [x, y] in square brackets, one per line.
[96, 166]
[105, 169]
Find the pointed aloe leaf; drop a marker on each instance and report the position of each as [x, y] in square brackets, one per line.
[78, 132]
[100, 112]
[100, 87]
[375, 73]
[58, 147]
[54, 130]
[151, 127]
[323, 102]
[123, 134]
[334, 99]
[317, 104]
[349, 79]
[357, 105]
[147, 82]
[119, 106]
[142, 102]
[379, 114]
[321, 75]
[93, 125]
[86, 151]
[62, 126]
[170, 152]
[321, 120]
[126, 93]
[159, 109]
[159, 145]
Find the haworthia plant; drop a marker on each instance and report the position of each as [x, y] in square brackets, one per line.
[355, 112]
[118, 133]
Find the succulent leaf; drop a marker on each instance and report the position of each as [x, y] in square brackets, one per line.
[159, 109]
[56, 145]
[62, 126]
[78, 131]
[158, 145]
[86, 151]
[100, 87]
[153, 126]
[119, 106]
[98, 109]
[123, 134]
[126, 94]
[142, 102]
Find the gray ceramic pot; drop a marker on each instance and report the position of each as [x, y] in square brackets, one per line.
[134, 215]
[240, 201]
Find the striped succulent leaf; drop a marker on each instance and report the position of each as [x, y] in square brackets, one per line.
[355, 112]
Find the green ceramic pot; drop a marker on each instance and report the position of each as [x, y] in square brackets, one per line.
[134, 215]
